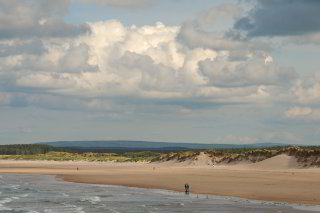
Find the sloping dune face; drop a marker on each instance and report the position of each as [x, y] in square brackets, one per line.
[282, 161]
[202, 160]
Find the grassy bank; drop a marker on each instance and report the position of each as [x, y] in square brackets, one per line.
[97, 157]
[306, 156]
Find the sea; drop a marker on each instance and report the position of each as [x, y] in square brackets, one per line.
[46, 194]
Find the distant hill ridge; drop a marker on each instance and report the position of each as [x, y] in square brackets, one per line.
[149, 145]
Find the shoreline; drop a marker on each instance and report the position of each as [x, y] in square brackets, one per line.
[297, 206]
[294, 186]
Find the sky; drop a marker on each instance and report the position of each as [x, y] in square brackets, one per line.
[222, 71]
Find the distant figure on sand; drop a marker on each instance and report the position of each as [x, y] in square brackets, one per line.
[77, 168]
[186, 188]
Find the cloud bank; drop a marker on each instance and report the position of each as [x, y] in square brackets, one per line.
[149, 63]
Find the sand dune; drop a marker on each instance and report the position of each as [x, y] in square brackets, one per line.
[277, 162]
[282, 161]
[201, 160]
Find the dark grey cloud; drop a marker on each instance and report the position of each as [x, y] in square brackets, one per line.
[226, 74]
[76, 60]
[34, 47]
[36, 18]
[192, 36]
[281, 18]
[154, 77]
[52, 28]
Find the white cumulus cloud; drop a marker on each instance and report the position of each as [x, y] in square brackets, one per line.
[148, 63]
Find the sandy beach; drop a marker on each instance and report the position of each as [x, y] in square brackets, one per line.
[280, 182]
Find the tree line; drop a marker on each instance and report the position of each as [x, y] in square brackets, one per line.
[25, 149]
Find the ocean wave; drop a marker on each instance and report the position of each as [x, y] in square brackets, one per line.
[2, 208]
[80, 210]
[24, 195]
[307, 208]
[114, 211]
[92, 200]
[65, 195]
[73, 208]
[13, 186]
[6, 200]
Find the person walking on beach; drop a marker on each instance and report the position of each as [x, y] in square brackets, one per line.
[186, 188]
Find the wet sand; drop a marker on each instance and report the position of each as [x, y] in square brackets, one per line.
[283, 185]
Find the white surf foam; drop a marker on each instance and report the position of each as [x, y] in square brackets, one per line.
[24, 195]
[93, 200]
[15, 186]
[80, 210]
[307, 208]
[65, 195]
[73, 208]
[114, 211]
[2, 208]
[6, 200]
